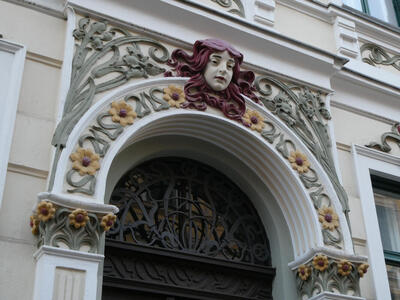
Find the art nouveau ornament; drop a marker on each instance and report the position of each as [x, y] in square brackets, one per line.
[219, 70]
[215, 78]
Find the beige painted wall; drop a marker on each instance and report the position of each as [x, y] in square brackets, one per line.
[304, 28]
[29, 161]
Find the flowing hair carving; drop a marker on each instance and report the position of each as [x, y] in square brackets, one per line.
[198, 93]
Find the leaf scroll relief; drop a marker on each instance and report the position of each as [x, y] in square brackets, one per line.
[105, 57]
[230, 6]
[393, 135]
[305, 113]
[379, 56]
[327, 216]
[108, 126]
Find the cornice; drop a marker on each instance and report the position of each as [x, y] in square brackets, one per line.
[375, 154]
[55, 11]
[362, 112]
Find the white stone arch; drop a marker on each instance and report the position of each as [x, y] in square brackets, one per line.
[266, 162]
[283, 202]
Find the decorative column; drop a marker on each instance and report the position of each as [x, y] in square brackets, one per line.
[68, 259]
[325, 274]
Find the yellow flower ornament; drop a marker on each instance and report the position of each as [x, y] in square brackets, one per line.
[362, 269]
[174, 95]
[320, 262]
[344, 267]
[122, 113]
[108, 221]
[304, 272]
[45, 211]
[254, 120]
[328, 218]
[34, 223]
[78, 218]
[85, 161]
[299, 161]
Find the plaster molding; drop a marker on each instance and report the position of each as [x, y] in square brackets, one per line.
[77, 202]
[55, 63]
[361, 112]
[25, 170]
[332, 253]
[67, 253]
[310, 8]
[334, 296]
[346, 37]
[265, 12]
[376, 154]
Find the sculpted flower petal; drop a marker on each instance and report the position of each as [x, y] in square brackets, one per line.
[121, 112]
[85, 161]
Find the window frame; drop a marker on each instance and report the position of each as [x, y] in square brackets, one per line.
[11, 86]
[369, 162]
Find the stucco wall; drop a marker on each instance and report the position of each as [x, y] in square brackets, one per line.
[29, 161]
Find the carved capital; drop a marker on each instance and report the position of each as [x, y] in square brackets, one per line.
[69, 227]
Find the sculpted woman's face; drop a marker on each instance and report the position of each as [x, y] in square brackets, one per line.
[219, 70]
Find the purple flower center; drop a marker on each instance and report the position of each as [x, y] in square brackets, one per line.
[345, 267]
[175, 96]
[328, 218]
[85, 161]
[302, 272]
[109, 223]
[79, 218]
[31, 223]
[321, 263]
[44, 211]
[122, 113]
[254, 120]
[299, 161]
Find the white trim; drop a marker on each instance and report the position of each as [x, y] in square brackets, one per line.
[8, 113]
[365, 161]
[67, 253]
[333, 253]
[65, 201]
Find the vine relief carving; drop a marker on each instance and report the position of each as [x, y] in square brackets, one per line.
[323, 273]
[376, 55]
[100, 65]
[231, 6]
[393, 135]
[306, 114]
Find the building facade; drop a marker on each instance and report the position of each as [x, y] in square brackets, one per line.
[209, 149]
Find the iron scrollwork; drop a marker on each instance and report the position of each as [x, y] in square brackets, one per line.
[183, 205]
[228, 5]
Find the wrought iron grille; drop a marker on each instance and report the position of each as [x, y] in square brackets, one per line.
[184, 205]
